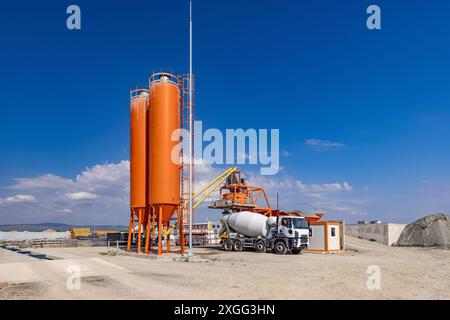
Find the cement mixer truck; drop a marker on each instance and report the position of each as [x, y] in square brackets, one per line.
[250, 230]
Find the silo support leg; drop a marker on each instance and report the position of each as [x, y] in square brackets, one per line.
[139, 231]
[130, 231]
[153, 224]
[160, 231]
[147, 236]
[168, 239]
[181, 232]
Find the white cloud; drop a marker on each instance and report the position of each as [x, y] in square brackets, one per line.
[321, 188]
[46, 181]
[101, 176]
[322, 145]
[98, 194]
[19, 198]
[342, 209]
[78, 196]
[336, 199]
[104, 176]
[289, 184]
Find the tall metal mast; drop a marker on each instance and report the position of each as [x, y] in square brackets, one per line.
[191, 157]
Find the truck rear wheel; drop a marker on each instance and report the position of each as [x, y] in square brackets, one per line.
[238, 246]
[280, 247]
[228, 245]
[260, 246]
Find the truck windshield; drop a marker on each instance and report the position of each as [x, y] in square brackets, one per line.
[298, 223]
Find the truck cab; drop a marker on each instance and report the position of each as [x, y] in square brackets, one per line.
[289, 234]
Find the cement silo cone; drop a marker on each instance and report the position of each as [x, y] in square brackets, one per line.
[138, 148]
[164, 167]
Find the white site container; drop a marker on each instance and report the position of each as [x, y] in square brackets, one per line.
[326, 236]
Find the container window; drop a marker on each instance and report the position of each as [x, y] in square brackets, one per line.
[333, 232]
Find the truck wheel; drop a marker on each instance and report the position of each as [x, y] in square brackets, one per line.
[260, 246]
[228, 245]
[296, 251]
[280, 248]
[238, 245]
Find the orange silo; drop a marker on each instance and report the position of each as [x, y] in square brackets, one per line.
[155, 187]
[138, 148]
[138, 162]
[163, 164]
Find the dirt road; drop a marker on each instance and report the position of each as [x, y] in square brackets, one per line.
[405, 273]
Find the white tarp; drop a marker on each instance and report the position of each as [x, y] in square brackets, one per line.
[25, 235]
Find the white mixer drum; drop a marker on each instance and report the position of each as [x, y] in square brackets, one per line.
[248, 223]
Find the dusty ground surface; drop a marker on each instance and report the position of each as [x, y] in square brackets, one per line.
[406, 273]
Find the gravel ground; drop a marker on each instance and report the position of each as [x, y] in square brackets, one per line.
[405, 273]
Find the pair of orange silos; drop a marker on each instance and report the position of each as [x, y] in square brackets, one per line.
[154, 156]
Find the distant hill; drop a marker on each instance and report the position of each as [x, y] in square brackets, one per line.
[37, 227]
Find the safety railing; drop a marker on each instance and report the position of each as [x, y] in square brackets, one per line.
[138, 93]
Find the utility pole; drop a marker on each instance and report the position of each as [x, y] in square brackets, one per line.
[191, 157]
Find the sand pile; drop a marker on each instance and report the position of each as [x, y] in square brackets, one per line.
[430, 231]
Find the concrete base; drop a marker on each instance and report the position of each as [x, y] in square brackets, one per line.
[152, 256]
[386, 233]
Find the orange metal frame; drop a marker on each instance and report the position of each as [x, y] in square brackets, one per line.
[238, 190]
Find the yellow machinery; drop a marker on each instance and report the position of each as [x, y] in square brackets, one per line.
[80, 232]
[203, 194]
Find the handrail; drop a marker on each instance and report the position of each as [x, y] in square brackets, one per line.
[226, 172]
[215, 186]
[171, 77]
[137, 93]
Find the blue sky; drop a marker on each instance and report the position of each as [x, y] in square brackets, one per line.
[310, 68]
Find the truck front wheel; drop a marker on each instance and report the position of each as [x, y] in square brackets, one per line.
[228, 245]
[280, 247]
[260, 246]
[296, 251]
